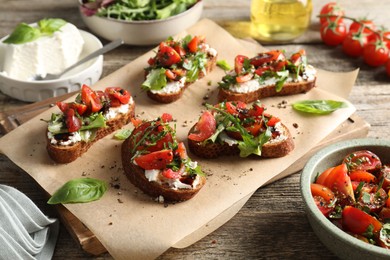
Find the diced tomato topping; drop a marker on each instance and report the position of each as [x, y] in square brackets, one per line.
[136, 121]
[259, 71]
[180, 50]
[244, 78]
[170, 174]
[167, 56]
[181, 150]
[166, 117]
[239, 63]
[204, 128]
[117, 94]
[272, 121]
[257, 110]
[91, 99]
[170, 74]
[296, 58]
[155, 160]
[73, 123]
[193, 44]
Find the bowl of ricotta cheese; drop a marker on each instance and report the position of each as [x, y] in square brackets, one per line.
[48, 46]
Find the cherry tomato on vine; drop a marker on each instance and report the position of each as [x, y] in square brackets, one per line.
[388, 68]
[356, 26]
[354, 43]
[375, 53]
[333, 33]
[333, 9]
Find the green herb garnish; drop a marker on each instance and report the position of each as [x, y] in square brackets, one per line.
[24, 33]
[224, 65]
[79, 191]
[319, 107]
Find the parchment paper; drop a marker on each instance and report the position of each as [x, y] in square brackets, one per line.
[130, 224]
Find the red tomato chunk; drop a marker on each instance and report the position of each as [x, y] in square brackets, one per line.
[354, 196]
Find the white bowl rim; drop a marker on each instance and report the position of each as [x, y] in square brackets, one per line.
[155, 21]
[68, 77]
[305, 181]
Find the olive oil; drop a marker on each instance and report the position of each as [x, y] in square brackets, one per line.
[278, 21]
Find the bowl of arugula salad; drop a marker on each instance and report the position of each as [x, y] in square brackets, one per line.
[140, 23]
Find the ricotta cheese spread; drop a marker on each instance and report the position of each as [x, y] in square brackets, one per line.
[156, 176]
[171, 87]
[114, 111]
[47, 54]
[255, 84]
[72, 139]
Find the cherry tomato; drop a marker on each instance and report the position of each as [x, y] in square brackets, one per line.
[193, 44]
[167, 56]
[323, 197]
[117, 93]
[257, 110]
[171, 174]
[244, 78]
[363, 176]
[358, 221]
[331, 8]
[235, 108]
[384, 215]
[204, 128]
[384, 175]
[272, 121]
[388, 68]
[374, 200]
[333, 33]
[91, 99]
[155, 160]
[181, 150]
[267, 57]
[340, 183]
[179, 49]
[170, 74]
[73, 123]
[239, 63]
[280, 65]
[354, 43]
[375, 53]
[322, 177]
[136, 121]
[166, 117]
[297, 58]
[259, 71]
[357, 26]
[363, 160]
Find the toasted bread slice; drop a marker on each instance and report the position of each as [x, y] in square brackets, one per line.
[272, 149]
[137, 176]
[69, 153]
[234, 128]
[176, 65]
[267, 74]
[290, 88]
[178, 186]
[170, 97]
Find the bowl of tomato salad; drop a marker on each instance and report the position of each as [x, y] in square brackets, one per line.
[346, 191]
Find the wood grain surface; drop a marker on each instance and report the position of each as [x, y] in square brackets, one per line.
[272, 224]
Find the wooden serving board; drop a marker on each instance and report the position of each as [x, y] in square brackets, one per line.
[354, 127]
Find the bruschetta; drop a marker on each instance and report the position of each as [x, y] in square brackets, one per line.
[176, 65]
[234, 128]
[92, 116]
[158, 164]
[265, 75]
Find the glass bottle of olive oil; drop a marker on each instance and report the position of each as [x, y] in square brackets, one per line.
[279, 21]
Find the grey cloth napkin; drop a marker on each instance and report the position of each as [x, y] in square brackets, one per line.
[25, 232]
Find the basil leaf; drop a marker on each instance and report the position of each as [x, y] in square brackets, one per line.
[94, 121]
[49, 26]
[79, 191]
[23, 33]
[155, 80]
[122, 134]
[320, 107]
[224, 65]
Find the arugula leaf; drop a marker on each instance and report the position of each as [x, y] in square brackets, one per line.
[320, 107]
[282, 77]
[155, 80]
[223, 64]
[79, 191]
[23, 33]
[94, 121]
[123, 134]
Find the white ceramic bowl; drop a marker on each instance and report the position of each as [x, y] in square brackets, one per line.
[339, 242]
[143, 32]
[32, 91]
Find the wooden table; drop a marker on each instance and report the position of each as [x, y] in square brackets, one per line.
[272, 224]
